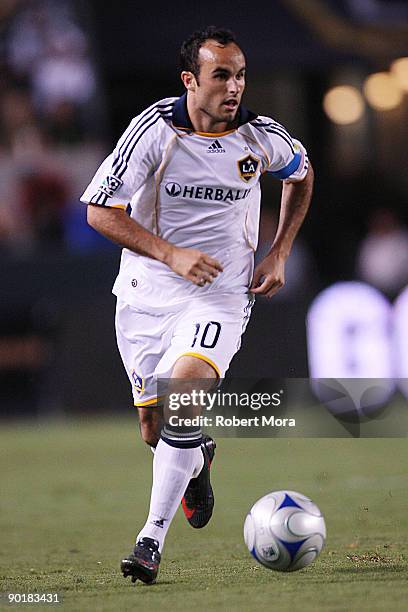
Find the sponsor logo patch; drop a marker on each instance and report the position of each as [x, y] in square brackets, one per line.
[173, 189]
[138, 383]
[201, 192]
[248, 167]
[110, 184]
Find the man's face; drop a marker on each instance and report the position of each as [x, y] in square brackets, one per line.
[221, 81]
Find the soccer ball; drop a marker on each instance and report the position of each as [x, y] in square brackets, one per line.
[284, 531]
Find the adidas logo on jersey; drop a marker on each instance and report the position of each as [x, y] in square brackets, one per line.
[215, 147]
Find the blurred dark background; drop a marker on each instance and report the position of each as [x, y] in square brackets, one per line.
[73, 74]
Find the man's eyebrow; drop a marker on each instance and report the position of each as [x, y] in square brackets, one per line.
[226, 70]
[219, 69]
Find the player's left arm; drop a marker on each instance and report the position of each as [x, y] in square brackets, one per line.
[269, 274]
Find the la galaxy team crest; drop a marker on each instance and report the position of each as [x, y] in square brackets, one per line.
[138, 383]
[248, 167]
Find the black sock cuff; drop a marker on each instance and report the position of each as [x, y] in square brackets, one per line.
[178, 439]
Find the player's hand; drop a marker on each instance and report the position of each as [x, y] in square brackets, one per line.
[193, 265]
[269, 275]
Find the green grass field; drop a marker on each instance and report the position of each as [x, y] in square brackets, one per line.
[74, 496]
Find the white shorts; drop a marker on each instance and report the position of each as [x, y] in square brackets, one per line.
[150, 341]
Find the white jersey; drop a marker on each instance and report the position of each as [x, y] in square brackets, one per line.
[195, 190]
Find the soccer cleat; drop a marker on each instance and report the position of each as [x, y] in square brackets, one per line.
[143, 562]
[198, 500]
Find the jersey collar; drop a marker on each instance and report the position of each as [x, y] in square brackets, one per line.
[182, 121]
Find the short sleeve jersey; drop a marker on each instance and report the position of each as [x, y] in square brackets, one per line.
[196, 190]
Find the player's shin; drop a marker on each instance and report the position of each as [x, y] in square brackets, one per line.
[150, 424]
[178, 457]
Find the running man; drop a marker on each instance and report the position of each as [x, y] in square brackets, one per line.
[180, 193]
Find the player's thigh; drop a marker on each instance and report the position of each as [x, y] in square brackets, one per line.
[209, 330]
[188, 366]
[142, 339]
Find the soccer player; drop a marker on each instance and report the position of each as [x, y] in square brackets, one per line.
[180, 193]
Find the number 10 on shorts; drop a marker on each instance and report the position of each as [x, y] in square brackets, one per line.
[207, 334]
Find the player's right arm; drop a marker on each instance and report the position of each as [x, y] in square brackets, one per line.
[134, 160]
[115, 224]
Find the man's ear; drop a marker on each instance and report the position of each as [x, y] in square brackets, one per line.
[189, 80]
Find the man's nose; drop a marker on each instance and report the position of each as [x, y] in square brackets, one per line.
[233, 85]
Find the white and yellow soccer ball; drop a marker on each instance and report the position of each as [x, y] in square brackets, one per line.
[284, 531]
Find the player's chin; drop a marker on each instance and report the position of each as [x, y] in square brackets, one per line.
[229, 114]
[232, 114]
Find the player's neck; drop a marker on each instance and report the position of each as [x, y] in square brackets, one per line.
[202, 122]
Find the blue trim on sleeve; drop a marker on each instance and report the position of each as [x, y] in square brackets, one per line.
[289, 169]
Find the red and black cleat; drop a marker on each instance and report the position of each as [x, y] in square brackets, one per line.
[198, 500]
[144, 562]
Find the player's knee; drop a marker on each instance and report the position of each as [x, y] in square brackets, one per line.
[189, 367]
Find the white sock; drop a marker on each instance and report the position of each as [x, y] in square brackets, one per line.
[172, 469]
[199, 466]
[198, 469]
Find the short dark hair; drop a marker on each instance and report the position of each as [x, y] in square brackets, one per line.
[191, 46]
